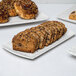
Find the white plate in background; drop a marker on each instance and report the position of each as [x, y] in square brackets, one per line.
[72, 51]
[8, 47]
[17, 20]
[65, 15]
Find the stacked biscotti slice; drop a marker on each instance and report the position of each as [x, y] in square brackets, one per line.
[38, 37]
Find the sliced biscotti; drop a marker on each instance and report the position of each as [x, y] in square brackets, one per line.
[38, 37]
[57, 29]
[49, 34]
[42, 29]
[28, 31]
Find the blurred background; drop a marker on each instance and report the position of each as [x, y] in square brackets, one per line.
[56, 1]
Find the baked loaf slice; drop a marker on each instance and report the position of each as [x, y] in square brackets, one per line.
[38, 37]
[72, 16]
[26, 9]
[3, 13]
[10, 6]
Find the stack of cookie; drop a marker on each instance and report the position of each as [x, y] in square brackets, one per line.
[37, 37]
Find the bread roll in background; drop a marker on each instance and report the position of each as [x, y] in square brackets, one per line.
[26, 9]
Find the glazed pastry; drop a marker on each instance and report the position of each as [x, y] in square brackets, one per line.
[26, 9]
[10, 6]
[3, 14]
[38, 37]
[72, 16]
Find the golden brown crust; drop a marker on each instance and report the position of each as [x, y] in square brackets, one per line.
[72, 16]
[39, 36]
[10, 6]
[50, 32]
[26, 9]
[3, 13]
[24, 42]
[12, 12]
[31, 32]
[46, 32]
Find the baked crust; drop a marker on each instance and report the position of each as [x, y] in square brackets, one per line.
[3, 14]
[31, 32]
[41, 37]
[10, 6]
[72, 16]
[26, 9]
[24, 42]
